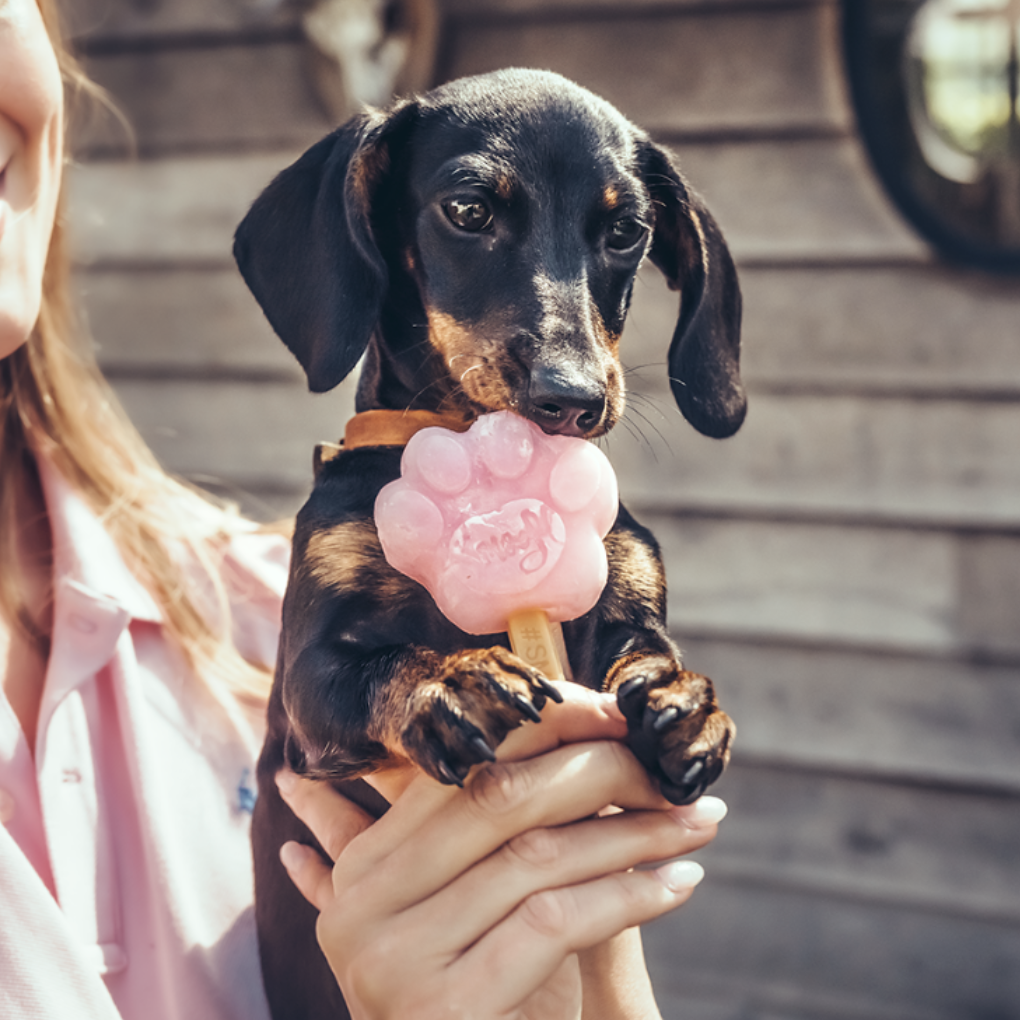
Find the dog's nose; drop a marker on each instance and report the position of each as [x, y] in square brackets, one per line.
[565, 404]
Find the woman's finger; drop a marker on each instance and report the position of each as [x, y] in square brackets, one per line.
[333, 819]
[309, 872]
[583, 715]
[498, 802]
[555, 923]
[549, 858]
[553, 857]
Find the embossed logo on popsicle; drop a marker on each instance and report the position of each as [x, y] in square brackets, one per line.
[513, 546]
[500, 519]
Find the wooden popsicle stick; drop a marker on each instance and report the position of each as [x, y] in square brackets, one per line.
[539, 642]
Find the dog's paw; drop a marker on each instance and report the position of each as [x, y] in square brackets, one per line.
[675, 727]
[459, 718]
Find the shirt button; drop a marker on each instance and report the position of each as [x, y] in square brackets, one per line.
[7, 805]
[114, 959]
[106, 958]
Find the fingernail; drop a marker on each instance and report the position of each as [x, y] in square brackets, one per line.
[705, 811]
[286, 782]
[679, 875]
[292, 855]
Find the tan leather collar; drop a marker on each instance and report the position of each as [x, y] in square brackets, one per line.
[395, 428]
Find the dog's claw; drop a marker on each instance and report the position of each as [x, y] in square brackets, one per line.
[447, 774]
[630, 687]
[666, 718]
[715, 770]
[526, 708]
[691, 786]
[680, 795]
[482, 748]
[552, 692]
[670, 792]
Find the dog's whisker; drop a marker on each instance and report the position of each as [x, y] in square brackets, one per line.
[658, 432]
[425, 389]
[625, 425]
[650, 403]
[476, 355]
[423, 344]
[632, 370]
[633, 430]
[641, 421]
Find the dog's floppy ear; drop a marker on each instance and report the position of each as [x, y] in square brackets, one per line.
[306, 248]
[688, 247]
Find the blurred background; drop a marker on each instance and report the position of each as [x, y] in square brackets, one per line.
[847, 567]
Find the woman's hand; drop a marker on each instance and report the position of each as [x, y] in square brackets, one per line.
[476, 901]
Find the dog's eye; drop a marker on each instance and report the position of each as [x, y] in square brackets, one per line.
[468, 214]
[624, 233]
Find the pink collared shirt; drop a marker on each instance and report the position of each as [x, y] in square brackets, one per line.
[125, 868]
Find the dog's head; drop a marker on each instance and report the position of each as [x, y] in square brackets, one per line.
[482, 242]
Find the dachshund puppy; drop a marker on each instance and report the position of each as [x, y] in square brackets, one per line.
[478, 246]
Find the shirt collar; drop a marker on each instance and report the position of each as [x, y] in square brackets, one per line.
[85, 554]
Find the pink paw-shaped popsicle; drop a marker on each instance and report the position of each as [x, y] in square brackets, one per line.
[500, 519]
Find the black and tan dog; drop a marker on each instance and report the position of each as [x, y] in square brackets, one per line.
[478, 245]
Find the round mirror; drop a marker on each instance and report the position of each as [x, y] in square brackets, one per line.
[936, 85]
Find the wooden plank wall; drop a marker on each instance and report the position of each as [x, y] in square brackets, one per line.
[847, 567]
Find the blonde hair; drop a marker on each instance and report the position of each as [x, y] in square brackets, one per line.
[54, 400]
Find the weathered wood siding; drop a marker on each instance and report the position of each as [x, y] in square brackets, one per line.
[847, 567]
